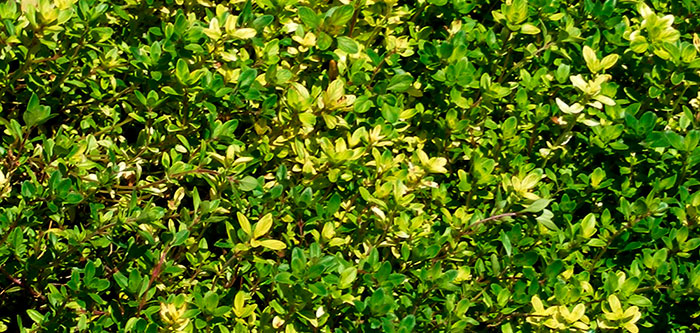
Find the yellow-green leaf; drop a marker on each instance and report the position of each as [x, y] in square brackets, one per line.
[529, 29]
[230, 24]
[214, 30]
[537, 304]
[615, 307]
[638, 44]
[334, 92]
[530, 180]
[631, 327]
[308, 119]
[423, 157]
[437, 165]
[609, 61]
[244, 33]
[588, 228]
[273, 244]
[579, 82]
[328, 230]
[245, 225]
[569, 109]
[596, 177]
[263, 226]
[239, 303]
[577, 313]
[632, 314]
[591, 59]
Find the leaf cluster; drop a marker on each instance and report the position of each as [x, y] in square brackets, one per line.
[333, 166]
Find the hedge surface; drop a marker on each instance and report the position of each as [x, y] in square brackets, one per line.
[333, 166]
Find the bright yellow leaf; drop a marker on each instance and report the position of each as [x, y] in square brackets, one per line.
[245, 225]
[263, 226]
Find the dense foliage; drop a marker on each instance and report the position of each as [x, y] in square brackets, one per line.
[332, 166]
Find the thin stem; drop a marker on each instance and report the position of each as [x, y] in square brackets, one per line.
[525, 60]
[613, 237]
[19, 282]
[378, 68]
[353, 21]
[420, 10]
[163, 180]
[472, 227]
[103, 101]
[154, 275]
[678, 101]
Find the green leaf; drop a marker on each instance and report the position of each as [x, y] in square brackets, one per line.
[247, 78]
[73, 198]
[248, 183]
[554, 269]
[438, 3]
[596, 242]
[562, 73]
[596, 177]
[262, 21]
[121, 280]
[639, 300]
[546, 220]
[341, 15]
[400, 82]
[35, 315]
[99, 284]
[298, 261]
[509, 127]
[141, 98]
[363, 104]
[507, 328]
[180, 237]
[506, 243]
[324, 41]
[309, 17]
[28, 189]
[211, 301]
[182, 71]
[308, 119]
[588, 226]
[690, 244]
[407, 323]
[639, 44]
[659, 257]
[691, 140]
[319, 289]
[675, 140]
[347, 277]
[537, 206]
[16, 238]
[89, 272]
[35, 114]
[239, 303]
[348, 45]
[333, 204]
[306, 196]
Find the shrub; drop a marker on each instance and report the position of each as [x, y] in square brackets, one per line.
[286, 165]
